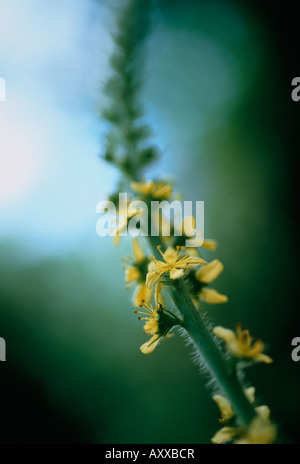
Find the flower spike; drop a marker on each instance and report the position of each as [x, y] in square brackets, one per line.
[242, 345]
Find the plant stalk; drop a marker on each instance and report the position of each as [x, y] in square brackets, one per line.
[216, 364]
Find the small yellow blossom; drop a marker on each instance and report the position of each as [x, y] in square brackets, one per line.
[225, 408]
[135, 274]
[151, 327]
[158, 322]
[260, 431]
[227, 411]
[173, 263]
[156, 190]
[204, 277]
[242, 345]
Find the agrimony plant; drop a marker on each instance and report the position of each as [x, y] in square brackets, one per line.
[172, 269]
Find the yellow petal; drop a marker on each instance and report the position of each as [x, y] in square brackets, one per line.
[142, 294]
[211, 296]
[176, 273]
[250, 393]
[152, 277]
[152, 266]
[138, 251]
[264, 412]
[209, 244]
[159, 299]
[223, 435]
[226, 334]
[225, 407]
[132, 274]
[151, 326]
[193, 261]
[210, 271]
[263, 358]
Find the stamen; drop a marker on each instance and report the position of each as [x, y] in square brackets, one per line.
[179, 253]
[148, 314]
[159, 249]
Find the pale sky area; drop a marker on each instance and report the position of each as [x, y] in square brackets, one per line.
[53, 59]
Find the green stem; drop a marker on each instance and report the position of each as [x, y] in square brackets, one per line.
[205, 343]
[213, 357]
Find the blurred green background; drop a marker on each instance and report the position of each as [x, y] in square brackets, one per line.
[216, 93]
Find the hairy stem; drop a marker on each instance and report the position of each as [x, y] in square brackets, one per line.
[205, 343]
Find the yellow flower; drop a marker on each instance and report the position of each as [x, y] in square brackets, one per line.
[151, 327]
[225, 408]
[173, 263]
[204, 277]
[158, 322]
[135, 274]
[260, 431]
[242, 345]
[156, 190]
